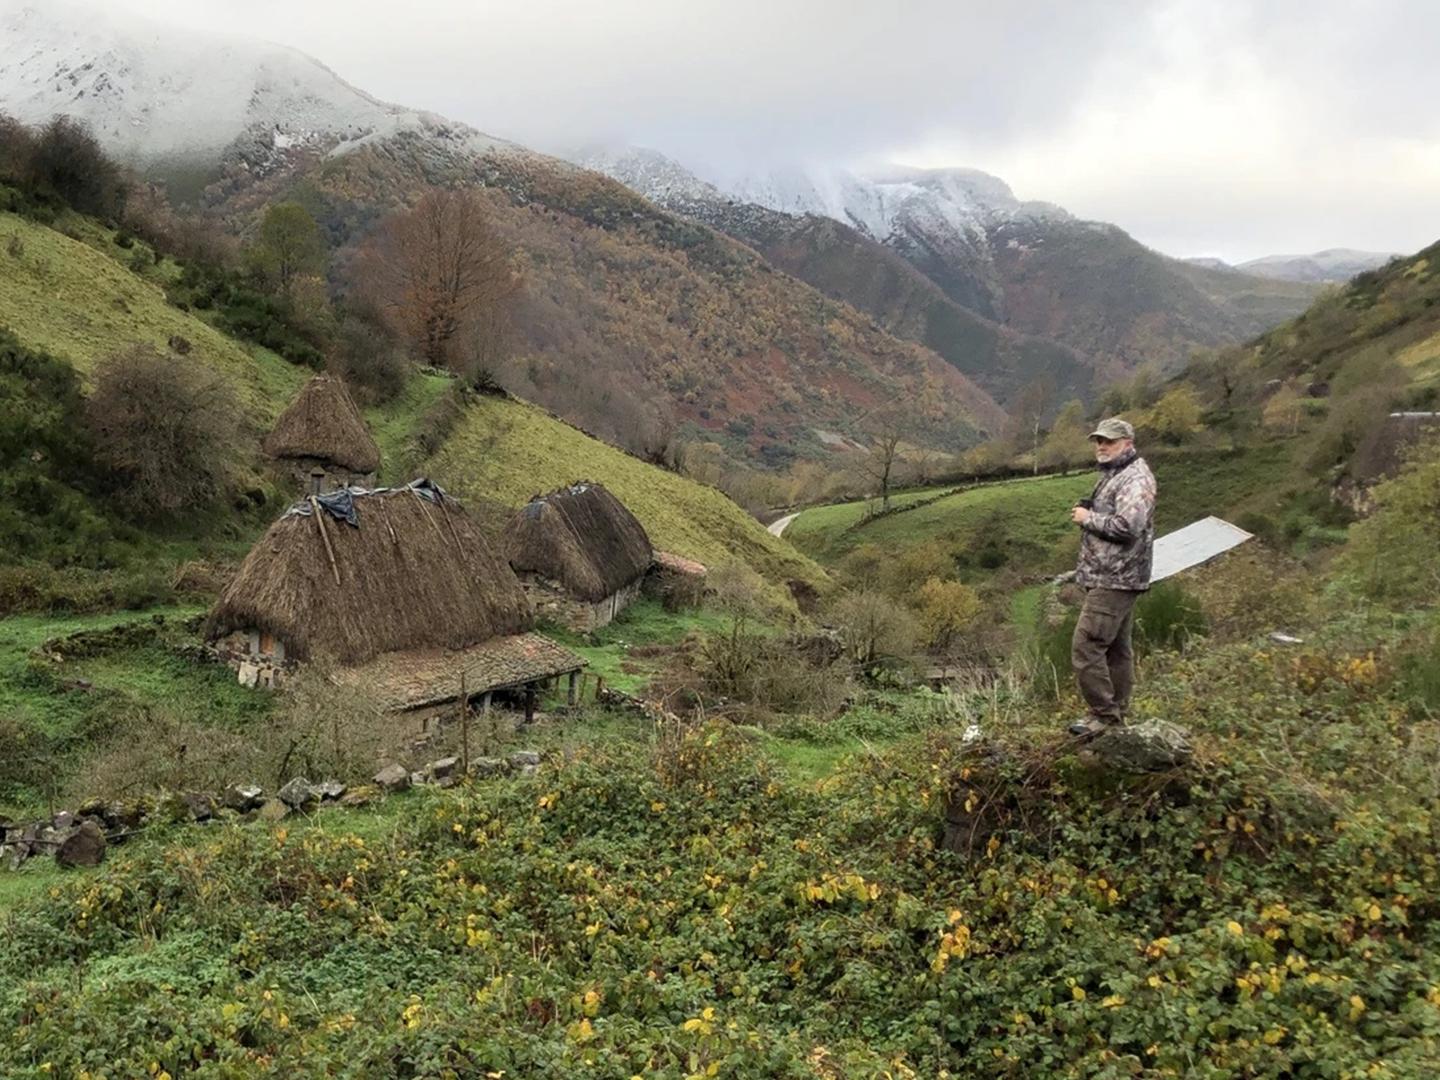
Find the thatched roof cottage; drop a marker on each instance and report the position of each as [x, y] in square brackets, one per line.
[322, 438]
[398, 587]
[580, 554]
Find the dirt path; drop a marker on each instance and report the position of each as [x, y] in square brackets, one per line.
[779, 525]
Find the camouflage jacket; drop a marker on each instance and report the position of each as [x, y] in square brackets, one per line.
[1118, 538]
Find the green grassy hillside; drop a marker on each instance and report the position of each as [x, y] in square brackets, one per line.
[963, 522]
[1024, 524]
[509, 451]
[81, 303]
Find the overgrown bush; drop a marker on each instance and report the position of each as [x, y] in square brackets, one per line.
[876, 630]
[167, 434]
[316, 729]
[369, 358]
[244, 310]
[1394, 554]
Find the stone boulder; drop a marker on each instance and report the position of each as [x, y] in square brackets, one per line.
[1149, 746]
[329, 790]
[488, 766]
[442, 769]
[392, 778]
[199, 804]
[85, 846]
[242, 798]
[297, 793]
[273, 810]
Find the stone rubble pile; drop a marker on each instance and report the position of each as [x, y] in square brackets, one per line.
[81, 837]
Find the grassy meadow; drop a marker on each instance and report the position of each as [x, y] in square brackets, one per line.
[80, 302]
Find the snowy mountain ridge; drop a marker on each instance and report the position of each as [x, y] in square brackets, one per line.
[152, 92]
[888, 206]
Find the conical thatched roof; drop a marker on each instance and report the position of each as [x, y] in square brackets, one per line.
[582, 537]
[414, 572]
[324, 423]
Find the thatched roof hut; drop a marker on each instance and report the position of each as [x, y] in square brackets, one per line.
[324, 424]
[360, 573]
[581, 537]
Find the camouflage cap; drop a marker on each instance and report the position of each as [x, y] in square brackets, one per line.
[1113, 428]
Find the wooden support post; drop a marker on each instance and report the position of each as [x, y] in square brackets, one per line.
[530, 704]
[464, 728]
[599, 687]
[573, 697]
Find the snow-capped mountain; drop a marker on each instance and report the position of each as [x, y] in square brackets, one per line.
[890, 206]
[152, 92]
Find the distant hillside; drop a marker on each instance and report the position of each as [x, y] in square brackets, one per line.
[632, 320]
[1379, 334]
[1100, 291]
[846, 264]
[1331, 265]
[1325, 383]
[1030, 266]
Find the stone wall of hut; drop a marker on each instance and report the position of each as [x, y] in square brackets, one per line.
[553, 604]
[258, 659]
[308, 472]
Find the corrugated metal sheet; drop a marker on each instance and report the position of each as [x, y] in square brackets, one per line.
[1196, 543]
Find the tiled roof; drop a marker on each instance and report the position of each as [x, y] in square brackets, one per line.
[419, 677]
[678, 564]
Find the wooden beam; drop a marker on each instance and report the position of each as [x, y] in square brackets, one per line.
[573, 697]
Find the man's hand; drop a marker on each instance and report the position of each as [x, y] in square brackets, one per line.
[1079, 515]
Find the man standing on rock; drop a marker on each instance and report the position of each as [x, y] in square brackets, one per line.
[1117, 537]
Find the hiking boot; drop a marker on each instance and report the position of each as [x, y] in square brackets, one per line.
[1089, 728]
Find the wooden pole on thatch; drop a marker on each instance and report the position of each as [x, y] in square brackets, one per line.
[320, 524]
[464, 729]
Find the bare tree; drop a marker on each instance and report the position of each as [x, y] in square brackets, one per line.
[1027, 415]
[444, 277]
[887, 429]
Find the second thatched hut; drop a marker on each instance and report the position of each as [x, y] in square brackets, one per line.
[322, 440]
[580, 555]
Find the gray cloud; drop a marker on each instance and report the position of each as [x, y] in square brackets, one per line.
[1221, 126]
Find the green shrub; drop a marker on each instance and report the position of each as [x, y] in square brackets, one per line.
[46, 514]
[1166, 617]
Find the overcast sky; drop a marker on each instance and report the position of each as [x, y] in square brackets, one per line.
[1203, 127]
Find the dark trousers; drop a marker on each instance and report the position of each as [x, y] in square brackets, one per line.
[1101, 655]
